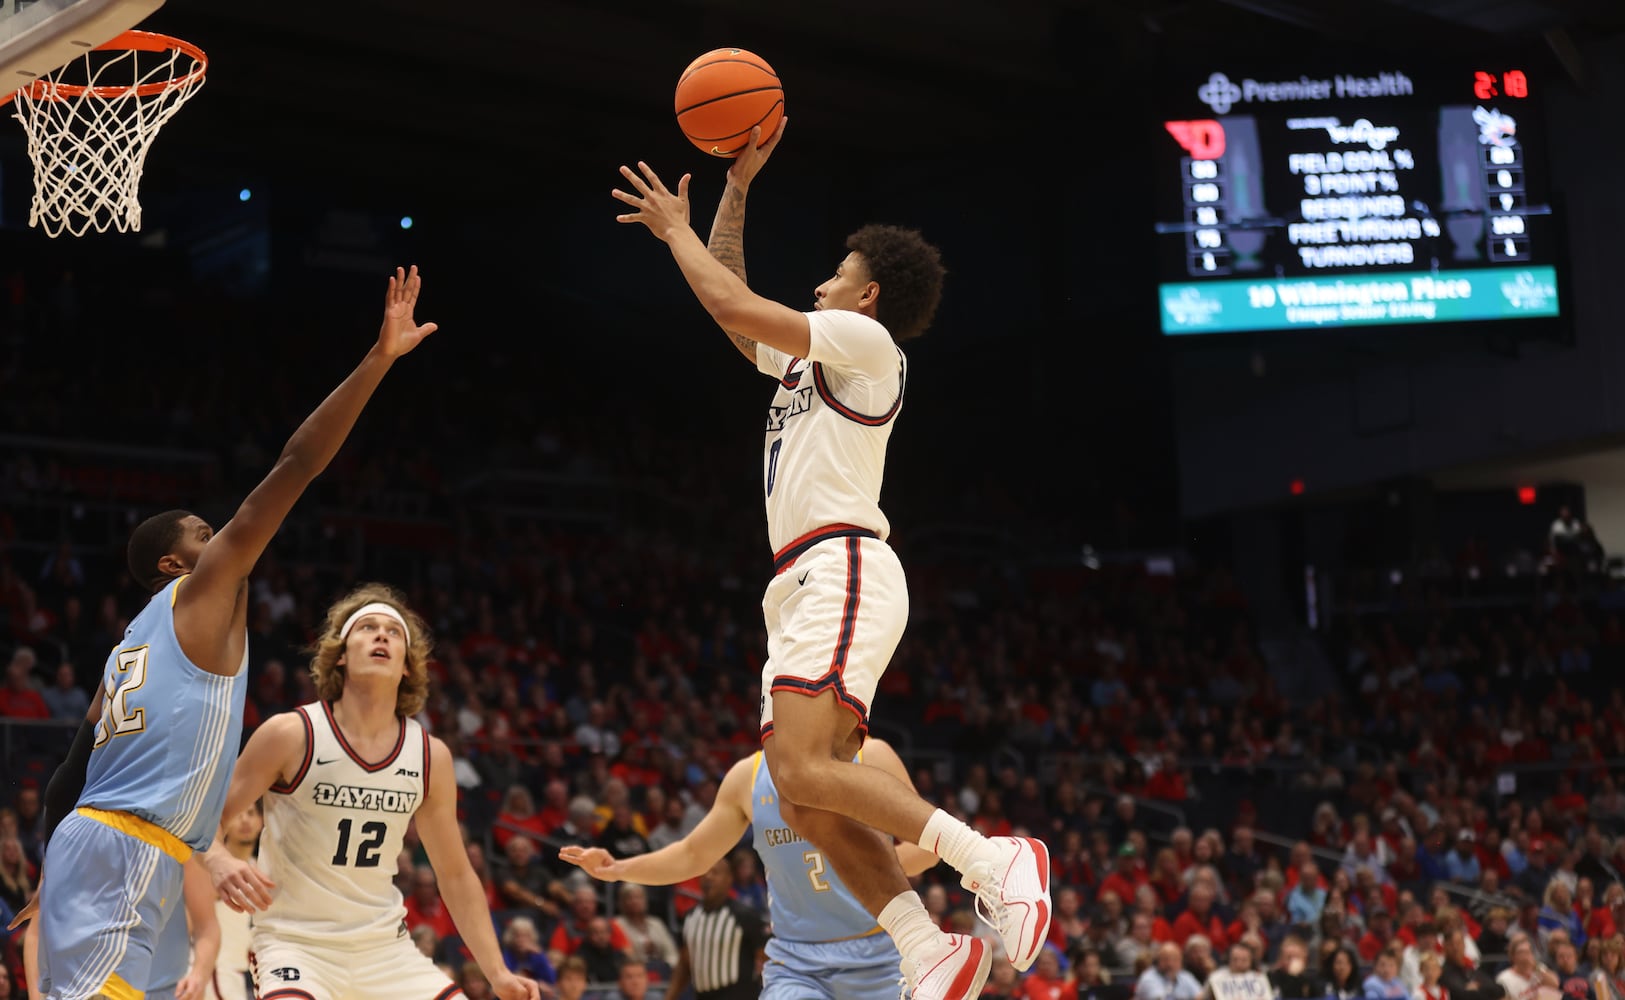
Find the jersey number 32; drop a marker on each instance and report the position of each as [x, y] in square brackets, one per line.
[118, 719]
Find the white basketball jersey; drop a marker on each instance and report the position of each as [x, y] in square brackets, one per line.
[828, 426]
[232, 963]
[332, 835]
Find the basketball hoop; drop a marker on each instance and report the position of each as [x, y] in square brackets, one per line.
[91, 123]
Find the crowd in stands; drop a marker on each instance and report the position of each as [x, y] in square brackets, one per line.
[1445, 825]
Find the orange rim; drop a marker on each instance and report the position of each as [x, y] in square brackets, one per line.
[139, 41]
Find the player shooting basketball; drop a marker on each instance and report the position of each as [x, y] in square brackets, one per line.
[837, 604]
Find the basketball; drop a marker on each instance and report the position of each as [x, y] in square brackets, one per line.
[724, 94]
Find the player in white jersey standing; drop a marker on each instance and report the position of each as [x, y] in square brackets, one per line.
[838, 601]
[341, 778]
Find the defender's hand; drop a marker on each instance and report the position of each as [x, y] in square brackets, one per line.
[595, 861]
[400, 332]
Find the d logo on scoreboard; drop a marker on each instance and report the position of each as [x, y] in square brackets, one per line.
[1203, 138]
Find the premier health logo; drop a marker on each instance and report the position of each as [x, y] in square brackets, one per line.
[1219, 93]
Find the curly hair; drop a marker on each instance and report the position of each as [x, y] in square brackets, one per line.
[909, 272]
[329, 674]
[151, 540]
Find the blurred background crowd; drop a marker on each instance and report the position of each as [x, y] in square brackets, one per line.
[1445, 806]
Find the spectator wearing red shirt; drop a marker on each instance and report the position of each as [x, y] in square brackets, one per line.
[1046, 981]
[20, 699]
[1127, 876]
[1379, 931]
[1199, 918]
[1071, 866]
[1167, 879]
[425, 906]
[574, 928]
[1168, 784]
[519, 818]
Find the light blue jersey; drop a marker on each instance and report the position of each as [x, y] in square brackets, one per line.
[825, 945]
[154, 788]
[806, 900]
[170, 731]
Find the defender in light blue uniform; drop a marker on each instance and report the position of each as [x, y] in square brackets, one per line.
[154, 787]
[824, 944]
[146, 778]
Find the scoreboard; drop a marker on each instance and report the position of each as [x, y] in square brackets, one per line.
[1384, 196]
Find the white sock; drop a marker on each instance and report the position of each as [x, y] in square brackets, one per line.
[952, 841]
[910, 927]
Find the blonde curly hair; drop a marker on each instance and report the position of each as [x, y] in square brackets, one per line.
[329, 674]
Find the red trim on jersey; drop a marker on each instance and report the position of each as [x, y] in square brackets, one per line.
[426, 758]
[304, 765]
[400, 741]
[784, 380]
[787, 556]
[846, 411]
[451, 991]
[285, 993]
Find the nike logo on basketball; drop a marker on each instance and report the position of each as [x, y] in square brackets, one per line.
[320, 762]
[803, 580]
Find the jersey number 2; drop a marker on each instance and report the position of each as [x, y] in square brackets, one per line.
[366, 852]
[815, 870]
[773, 463]
[118, 719]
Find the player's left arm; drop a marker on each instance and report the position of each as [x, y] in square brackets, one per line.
[724, 295]
[460, 887]
[879, 754]
[62, 795]
[197, 890]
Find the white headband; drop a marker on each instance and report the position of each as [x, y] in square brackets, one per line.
[375, 608]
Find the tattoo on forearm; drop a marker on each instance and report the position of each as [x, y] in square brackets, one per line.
[727, 245]
[727, 242]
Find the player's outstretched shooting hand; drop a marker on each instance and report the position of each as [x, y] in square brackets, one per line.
[595, 861]
[400, 332]
[664, 213]
[511, 987]
[239, 884]
[754, 155]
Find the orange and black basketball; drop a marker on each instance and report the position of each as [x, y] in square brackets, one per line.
[724, 94]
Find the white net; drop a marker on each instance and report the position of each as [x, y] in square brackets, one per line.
[91, 123]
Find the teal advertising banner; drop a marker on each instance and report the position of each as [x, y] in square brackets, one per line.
[1358, 300]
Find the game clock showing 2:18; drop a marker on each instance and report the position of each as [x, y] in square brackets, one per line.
[1350, 199]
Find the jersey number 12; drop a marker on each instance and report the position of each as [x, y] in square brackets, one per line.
[366, 852]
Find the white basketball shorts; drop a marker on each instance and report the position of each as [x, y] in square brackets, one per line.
[393, 970]
[835, 611]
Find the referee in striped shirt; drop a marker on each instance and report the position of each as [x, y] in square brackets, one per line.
[722, 939]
